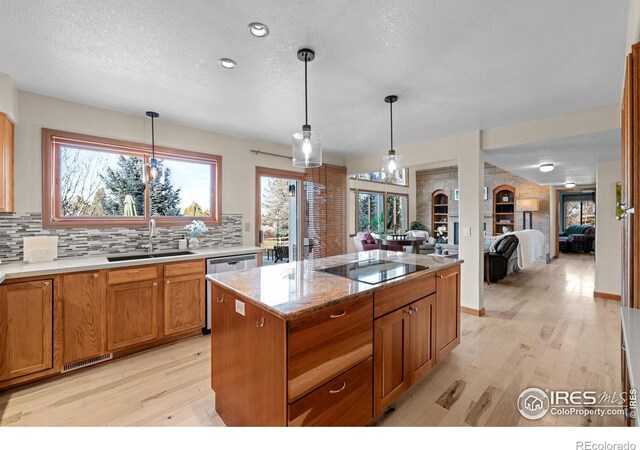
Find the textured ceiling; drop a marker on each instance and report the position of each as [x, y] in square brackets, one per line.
[457, 65]
[574, 158]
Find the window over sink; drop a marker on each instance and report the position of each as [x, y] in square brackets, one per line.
[97, 182]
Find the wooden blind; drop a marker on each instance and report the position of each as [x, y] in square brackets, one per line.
[326, 190]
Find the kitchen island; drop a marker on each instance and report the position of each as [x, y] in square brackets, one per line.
[329, 342]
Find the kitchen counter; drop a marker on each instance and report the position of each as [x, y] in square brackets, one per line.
[65, 265]
[630, 321]
[294, 289]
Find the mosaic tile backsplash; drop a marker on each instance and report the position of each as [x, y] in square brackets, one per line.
[94, 241]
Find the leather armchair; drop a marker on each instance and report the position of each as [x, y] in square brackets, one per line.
[505, 249]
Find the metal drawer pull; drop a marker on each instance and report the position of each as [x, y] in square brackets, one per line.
[261, 323]
[335, 316]
[168, 282]
[408, 311]
[95, 275]
[344, 385]
[46, 283]
[221, 299]
[155, 284]
[129, 272]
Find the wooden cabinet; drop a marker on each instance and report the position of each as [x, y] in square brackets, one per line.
[184, 299]
[248, 362]
[26, 321]
[391, 358]
[404, 348]
[83, 309]
[131, 314]
[328, 342]
[421, 337]
[342, 402]
[447, 311]
[6, 164]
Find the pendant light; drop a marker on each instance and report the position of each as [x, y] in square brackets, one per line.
[153, 162]
[391, 162]
[307, 148]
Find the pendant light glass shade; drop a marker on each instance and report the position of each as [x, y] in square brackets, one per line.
[307, 145]
[391, 163]
[154, 169]
[307, 148]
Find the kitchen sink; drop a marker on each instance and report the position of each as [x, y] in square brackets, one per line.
[133, 257]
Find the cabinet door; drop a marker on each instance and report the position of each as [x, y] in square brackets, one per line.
[447, 311]
[391, 358]
[183, 304]
[26, 321]
[422, 342]
[83, 315]
[131, 314]
[220, 317]
[6, 164]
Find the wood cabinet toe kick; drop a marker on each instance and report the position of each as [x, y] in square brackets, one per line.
[339, 366]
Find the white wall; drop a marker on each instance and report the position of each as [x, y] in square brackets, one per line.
[608, 230]
[553, 221]
[8, 97]
[238, 164]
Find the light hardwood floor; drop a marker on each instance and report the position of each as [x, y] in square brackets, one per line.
[542, 328]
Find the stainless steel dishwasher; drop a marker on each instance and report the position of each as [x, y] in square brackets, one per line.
[226, 264]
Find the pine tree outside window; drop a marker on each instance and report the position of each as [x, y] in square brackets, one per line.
[90, 181]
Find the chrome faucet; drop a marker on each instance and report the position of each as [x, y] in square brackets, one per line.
[152, 234]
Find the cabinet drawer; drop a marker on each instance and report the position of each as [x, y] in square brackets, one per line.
[184, 268]
[394, 297]
[327, 343]
[132, 274]
[344, 401]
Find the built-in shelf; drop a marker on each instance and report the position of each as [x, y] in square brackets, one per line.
[503, 208]
[439, 210]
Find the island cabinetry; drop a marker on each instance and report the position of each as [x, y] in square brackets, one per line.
[344, 401]
[248, 362]
[447, 311]
[26, 320]
[83, 310]
[328, 342]
[132, 307]
[184, 297]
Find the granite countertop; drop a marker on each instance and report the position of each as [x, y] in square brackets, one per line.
[65, 265]
[294, 289]
[630, 320]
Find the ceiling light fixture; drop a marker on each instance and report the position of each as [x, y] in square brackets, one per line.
[154, 170]
[569, 185]
[227, 63]
[258, 29]
[546, 167]
[391, 162]
[307, 146]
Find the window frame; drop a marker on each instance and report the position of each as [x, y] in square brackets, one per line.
[51, 213]
[356, 177]
[356, 192]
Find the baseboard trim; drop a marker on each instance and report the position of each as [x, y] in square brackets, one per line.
[471, 311]
[597, 294]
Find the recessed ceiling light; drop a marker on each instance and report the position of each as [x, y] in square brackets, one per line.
[258, 29]
[227, 63]
[569, 185]
[546, 167]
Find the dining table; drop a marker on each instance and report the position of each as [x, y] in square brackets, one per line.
[414, 242]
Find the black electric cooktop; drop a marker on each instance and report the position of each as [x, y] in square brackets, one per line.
[373, 271]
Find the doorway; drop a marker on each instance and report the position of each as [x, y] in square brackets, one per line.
[576, 211]
[279, 214]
